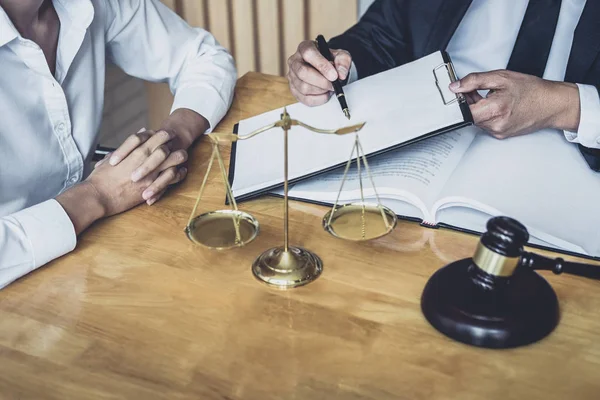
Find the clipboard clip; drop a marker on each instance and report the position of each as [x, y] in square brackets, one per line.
[452, 75]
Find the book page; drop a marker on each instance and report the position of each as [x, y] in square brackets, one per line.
[540, 179]
[463, 216]
[397, 105]
[415, 174]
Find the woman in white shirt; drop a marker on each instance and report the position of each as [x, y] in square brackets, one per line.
[52, 58]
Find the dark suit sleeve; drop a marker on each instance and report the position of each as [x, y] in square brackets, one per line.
[592, 156]
[380, 40]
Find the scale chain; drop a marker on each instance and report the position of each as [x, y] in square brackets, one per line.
[362, 152]
[348, 164]
[362, 195]
[201, 191]
[231, 198]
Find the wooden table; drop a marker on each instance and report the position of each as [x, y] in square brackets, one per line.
[139, 312]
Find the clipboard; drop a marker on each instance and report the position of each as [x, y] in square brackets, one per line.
[441, 72]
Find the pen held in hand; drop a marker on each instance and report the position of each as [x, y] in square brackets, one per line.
[337, 85]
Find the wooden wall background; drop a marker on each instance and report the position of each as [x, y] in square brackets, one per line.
[261, 34]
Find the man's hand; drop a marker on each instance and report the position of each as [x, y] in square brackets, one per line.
[517, 104]
[310, 74]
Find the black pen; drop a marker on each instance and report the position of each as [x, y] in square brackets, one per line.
[337, 85]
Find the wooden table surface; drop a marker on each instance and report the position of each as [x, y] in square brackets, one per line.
[139, 312]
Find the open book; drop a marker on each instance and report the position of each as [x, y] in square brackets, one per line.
[462, 178]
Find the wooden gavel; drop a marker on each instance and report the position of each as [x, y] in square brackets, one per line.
[496, 299]
[500, 252]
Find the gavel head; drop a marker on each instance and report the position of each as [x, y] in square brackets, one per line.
[488, 300]
[500, 248]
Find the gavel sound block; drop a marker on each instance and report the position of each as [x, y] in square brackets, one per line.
[496, 299]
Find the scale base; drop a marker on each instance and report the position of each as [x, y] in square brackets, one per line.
[217, 229]
[285, 270]
[470, 306]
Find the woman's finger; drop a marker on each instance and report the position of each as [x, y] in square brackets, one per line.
[175, 159]
[99, 163]
[168, 177]
[155, 198]
[151, 163]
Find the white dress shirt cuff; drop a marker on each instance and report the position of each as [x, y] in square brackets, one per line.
[588, 134]
[353, 74]
[205, 101]
[49, 230]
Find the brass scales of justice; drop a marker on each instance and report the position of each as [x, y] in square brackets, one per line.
[288, 266]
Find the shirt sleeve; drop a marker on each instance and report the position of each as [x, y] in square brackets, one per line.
[149, 41]
[588, 134]
[33, 237]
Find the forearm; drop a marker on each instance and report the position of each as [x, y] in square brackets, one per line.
[186, 125]
[83, 205]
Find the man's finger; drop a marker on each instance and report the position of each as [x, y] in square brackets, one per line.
[343, 62]
[130, 144]
[478, 81]
[310, 101]
[473, 97]
[306, 73]
[310, 54]
[484, 111]
[304, 87]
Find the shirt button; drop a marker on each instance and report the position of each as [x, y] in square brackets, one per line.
[60, 127]
[73, 180]
[598, 140]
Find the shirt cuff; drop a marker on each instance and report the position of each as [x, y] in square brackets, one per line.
[203, 100]
[588, 134]
[353, 74]
[49, 230]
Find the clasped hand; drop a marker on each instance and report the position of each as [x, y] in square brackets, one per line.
[143, 167]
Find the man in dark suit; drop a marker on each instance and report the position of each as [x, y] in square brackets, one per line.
[526, 65]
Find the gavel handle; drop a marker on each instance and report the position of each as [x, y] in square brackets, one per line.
[559, 266]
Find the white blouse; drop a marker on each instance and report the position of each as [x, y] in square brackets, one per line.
[49, 123]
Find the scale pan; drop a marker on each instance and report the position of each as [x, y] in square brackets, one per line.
[360, 221]
[217, 229]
